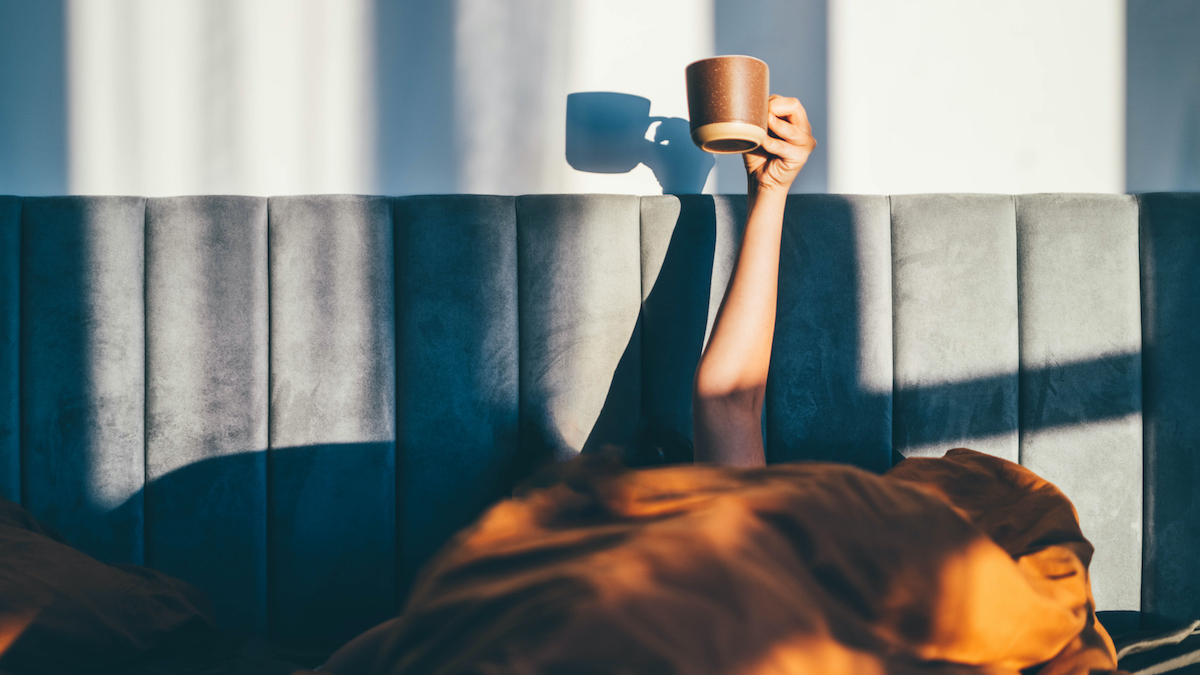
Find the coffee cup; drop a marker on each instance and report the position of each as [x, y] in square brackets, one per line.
[727, 103]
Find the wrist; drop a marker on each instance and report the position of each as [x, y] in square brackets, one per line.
[758, 192]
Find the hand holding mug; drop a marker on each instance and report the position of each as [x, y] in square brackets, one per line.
[775, 164]
[731, 112]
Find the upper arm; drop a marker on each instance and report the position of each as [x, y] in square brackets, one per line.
[728, 428]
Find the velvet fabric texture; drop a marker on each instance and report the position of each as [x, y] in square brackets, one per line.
[1079, 300]
[82, 376]
[457, 366]
[967, 563]
[206, 399]
[10, 347]
[332, 417]
[954, 280]
[1170, 248]
[62, 611]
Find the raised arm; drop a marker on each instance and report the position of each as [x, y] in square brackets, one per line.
[731, 379]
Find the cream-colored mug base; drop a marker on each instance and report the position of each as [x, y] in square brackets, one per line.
[724, 138]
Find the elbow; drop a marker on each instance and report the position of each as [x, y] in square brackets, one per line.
[710, 391]
[707, 387]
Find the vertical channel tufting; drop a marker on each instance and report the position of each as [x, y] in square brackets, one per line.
[689, 245]
[457, 377]
[332, 475]
[10, 348]
[83, 378]
[1081, 372]
[1170, 248]
[580, 297]
[829, 396]
[206, 399]
[954, 295]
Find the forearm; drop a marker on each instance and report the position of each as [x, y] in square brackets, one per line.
[731, 378]
[739, 349]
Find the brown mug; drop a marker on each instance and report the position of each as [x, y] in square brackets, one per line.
[727, 103]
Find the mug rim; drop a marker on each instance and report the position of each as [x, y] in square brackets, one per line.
[725, 56]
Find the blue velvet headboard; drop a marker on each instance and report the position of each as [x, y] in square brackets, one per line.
[291, 402]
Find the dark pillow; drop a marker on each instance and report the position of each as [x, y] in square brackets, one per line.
[62, 611]
[1149, 643]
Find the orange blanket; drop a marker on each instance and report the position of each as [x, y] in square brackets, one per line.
[964, 564]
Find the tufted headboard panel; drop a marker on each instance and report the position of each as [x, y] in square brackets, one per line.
[292, 402]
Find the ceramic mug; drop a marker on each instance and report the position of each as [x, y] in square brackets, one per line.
[727, 103]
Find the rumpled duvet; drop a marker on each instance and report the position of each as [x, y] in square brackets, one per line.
[64, 612]
[960, 564]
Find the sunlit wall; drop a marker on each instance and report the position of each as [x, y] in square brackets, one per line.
[1013, 96]
[220, 96]
[515, 63]
[412, 96]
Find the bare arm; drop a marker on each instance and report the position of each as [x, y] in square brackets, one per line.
[731, 379]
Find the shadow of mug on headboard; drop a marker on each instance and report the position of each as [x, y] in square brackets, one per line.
[609, 132]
